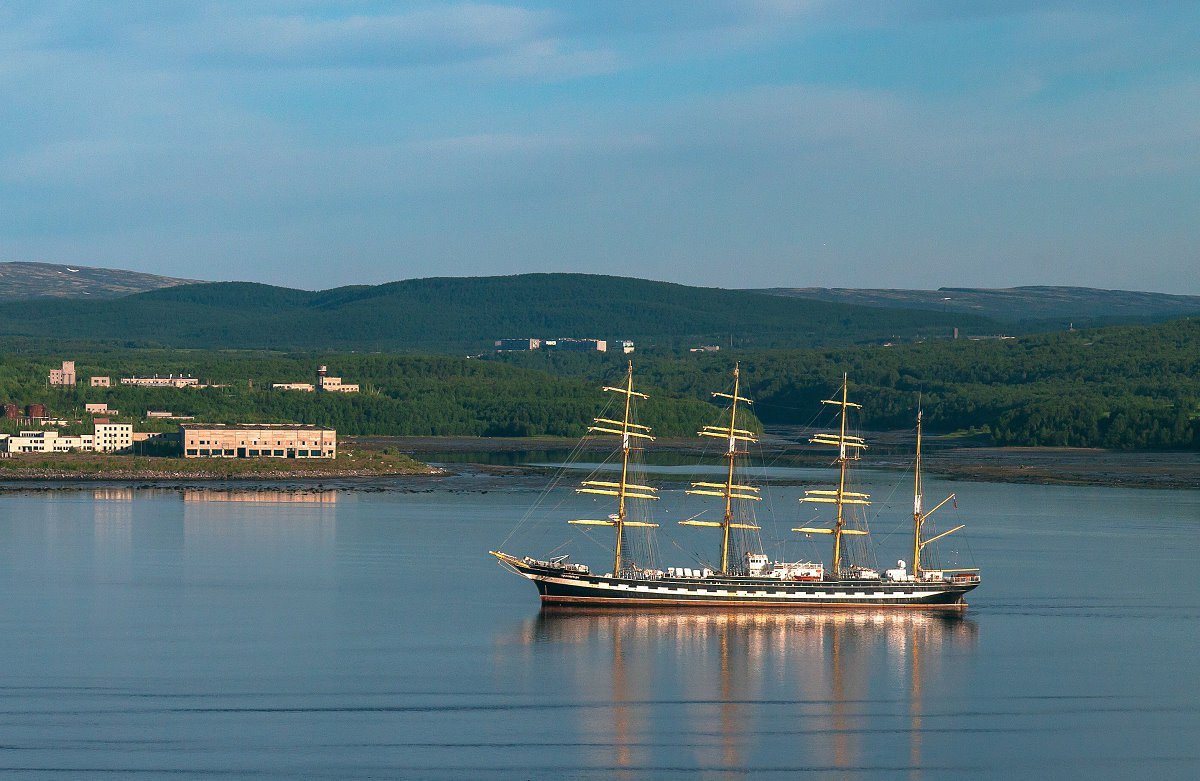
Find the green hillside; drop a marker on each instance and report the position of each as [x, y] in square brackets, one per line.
[1028, 306]
[401, 395]
[467, 315]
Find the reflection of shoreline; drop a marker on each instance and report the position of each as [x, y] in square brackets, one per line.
[725, 675]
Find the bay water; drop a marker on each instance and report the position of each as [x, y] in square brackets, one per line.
[343, 633]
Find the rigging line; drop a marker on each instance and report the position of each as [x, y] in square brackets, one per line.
[605, 546]
[538, 504]
[694, 555]
[558, 547]
[886, 504]
[557, 477]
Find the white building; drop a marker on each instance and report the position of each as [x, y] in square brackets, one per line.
[45, 442]
[576, 345]
[113, 437]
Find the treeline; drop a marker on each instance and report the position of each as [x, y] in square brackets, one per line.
[1131, 387]
[401, 395]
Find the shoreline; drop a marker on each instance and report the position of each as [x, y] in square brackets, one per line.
[398, 460]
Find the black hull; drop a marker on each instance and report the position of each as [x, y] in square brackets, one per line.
[564, 589]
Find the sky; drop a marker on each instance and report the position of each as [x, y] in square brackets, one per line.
[725, 143]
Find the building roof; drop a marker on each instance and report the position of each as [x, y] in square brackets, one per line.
[254, 427]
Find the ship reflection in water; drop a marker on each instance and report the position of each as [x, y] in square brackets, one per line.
[736, 691]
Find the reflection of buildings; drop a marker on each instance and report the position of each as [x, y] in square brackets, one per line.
[112, 494]
[800, 688]
[270, 496]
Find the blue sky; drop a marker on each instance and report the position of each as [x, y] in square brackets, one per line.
[732, 143]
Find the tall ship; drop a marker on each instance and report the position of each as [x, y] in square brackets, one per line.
[743, 575]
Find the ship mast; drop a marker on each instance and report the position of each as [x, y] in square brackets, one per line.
[729, 490]
[846, 444]
[919, 516]
[624, 490]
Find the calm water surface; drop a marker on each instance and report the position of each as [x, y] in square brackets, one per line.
[368, 635]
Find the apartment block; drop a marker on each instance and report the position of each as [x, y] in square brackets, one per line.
[113, 437]
[100, 382]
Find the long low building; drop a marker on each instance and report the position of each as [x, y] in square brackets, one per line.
[258, 440]
[46, 441]
[170, 381]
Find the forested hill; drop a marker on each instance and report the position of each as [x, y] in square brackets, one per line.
[467, 314]
[1059, 306]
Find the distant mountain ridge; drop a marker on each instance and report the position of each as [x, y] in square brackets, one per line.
[21, 280]
[1081, 305]
[466, 314]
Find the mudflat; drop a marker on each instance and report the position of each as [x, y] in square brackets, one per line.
[944, 456]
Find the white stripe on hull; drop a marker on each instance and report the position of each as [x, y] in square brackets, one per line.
[650, 604]
[657, 593]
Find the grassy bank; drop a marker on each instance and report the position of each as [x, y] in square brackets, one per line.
[357, 462]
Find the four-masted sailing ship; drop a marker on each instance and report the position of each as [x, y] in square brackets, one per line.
[745, 576]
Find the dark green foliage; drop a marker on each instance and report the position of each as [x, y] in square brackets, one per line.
[1131, 387]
